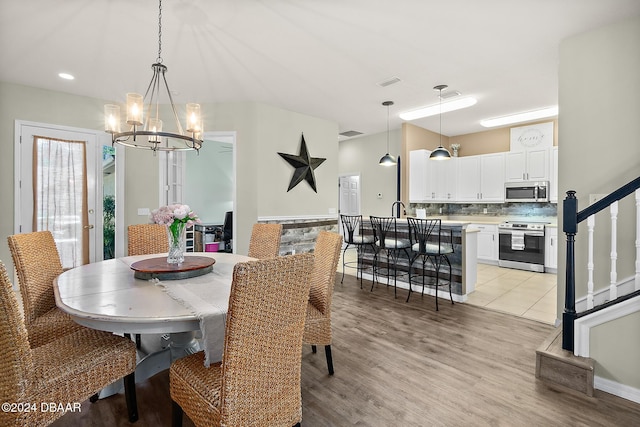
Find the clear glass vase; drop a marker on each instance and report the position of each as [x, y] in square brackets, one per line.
[176, 233]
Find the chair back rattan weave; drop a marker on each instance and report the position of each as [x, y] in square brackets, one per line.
[37, 262]
[16, 363]
[323, 276]
[258, 381]
[265, 241]
[145, 239]
[265, 323]
[69, 368]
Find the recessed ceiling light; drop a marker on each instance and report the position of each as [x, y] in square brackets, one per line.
[433, 110]
[520, 117]
[66, 76]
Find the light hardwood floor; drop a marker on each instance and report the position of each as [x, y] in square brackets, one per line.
[400, 363]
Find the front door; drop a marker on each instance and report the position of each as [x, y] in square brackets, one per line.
[56, 188]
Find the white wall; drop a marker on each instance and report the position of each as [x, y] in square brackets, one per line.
[209, 181]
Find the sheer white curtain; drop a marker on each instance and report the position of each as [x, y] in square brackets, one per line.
[60, 196]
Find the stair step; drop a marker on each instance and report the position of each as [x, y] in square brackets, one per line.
[562, 369]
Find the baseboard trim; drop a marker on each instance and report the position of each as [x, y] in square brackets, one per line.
[617, 389]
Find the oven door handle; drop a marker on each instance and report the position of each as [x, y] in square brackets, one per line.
[526, 233]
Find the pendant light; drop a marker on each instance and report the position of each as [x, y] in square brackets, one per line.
[387, 159]
[440, 153]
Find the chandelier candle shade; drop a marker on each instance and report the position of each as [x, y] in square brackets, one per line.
[143, 115]
[177, 218]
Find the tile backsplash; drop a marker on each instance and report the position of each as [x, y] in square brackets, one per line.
[488, 209]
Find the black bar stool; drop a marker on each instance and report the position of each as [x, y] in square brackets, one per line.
[430, 241]
[354, 236]
[385, 233]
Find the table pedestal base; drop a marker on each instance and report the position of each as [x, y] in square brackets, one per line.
[155, 355]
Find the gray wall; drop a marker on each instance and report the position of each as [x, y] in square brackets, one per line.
[361, 156]
[600, 151]
[262, 176]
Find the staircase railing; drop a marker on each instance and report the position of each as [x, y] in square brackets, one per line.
[571, 219]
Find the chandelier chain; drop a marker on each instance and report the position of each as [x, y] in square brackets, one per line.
[159, 60]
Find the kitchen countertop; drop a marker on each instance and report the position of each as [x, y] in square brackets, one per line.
[489, 220]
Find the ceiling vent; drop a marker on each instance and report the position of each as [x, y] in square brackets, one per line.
[351, 133]
[449, 94]
[388, 82]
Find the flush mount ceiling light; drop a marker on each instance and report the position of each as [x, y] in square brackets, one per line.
[440, 153]
[387, 159]
[143, 115]
[520, 117]
[445, 107]
[66, 76]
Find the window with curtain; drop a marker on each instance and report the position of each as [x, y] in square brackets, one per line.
[60, 196]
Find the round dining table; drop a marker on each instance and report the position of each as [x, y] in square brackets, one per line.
[107, 296]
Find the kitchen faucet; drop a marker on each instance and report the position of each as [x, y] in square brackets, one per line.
[398, 202]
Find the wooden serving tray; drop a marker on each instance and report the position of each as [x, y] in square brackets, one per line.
[158, 268]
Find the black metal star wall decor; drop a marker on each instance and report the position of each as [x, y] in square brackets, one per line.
[304, 166]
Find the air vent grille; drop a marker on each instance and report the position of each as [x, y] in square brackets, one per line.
[389, 81]
[450, 94]
[351, 133]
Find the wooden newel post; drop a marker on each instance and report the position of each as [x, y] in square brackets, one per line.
[570, 228]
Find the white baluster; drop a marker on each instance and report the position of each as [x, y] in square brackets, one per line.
[591, 223]
[613, 290]
[637, 240]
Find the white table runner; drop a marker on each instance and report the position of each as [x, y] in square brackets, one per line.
[207, 297]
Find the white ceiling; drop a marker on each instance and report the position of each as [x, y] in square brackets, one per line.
[320, 58]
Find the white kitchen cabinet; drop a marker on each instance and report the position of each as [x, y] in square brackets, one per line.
[527, 165]
[487, 243]
[481, 178]
[551, 249]
[431, 180]
[553, 178]
[418, 175]
[442, 180]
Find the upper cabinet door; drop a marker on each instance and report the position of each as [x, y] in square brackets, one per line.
[468, 179]
[418, 175]
[492, 177]
[527, 165]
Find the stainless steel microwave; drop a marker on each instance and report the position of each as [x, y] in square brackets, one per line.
[526, 191]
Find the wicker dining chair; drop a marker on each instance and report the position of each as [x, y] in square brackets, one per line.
[145, 239]
[37, 262]
[265, 241]
[64, 371]
[258, 381]
[317, 327]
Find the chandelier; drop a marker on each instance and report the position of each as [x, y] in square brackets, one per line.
[143, 115]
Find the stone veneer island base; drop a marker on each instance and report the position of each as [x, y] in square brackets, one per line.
[463, 262]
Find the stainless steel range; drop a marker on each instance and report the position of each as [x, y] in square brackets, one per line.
[521, 245]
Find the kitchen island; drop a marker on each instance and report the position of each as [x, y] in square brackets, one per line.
[463, 262]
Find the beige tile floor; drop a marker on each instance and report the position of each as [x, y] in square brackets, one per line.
[522, 293]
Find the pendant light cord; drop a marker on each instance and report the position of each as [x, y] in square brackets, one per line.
[440, 97]
[388, 128]
[159, 60]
